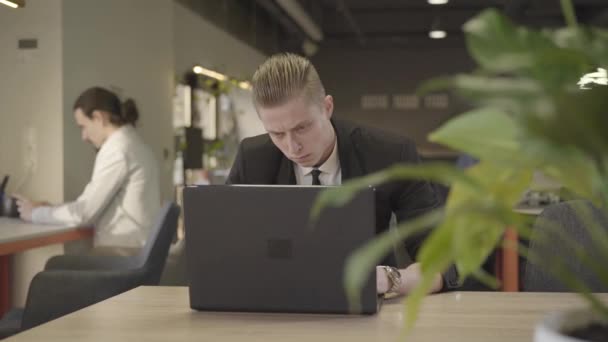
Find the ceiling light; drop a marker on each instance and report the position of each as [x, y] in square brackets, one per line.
[436, 31]
[210, 73]
[245, 85]
[199, 70]
[9, 3]
[309, 48]
[437, 2]
[437, 34]
[301, 17]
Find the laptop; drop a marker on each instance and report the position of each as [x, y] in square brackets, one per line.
[253, 248]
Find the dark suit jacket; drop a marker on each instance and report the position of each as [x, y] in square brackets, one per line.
[361, 151]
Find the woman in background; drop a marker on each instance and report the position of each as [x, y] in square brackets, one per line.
[122, 198]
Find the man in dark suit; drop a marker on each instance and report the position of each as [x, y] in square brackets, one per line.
[304, 145]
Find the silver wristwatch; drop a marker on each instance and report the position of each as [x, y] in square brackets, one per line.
[394, 277]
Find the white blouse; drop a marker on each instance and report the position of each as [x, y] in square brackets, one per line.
[122, 198]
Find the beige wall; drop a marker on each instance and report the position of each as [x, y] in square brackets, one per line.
[31, 99]
[126, 46]
[137, 47]
[197, 41]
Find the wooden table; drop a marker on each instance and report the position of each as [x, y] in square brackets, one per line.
[163, 314]
[17, 236]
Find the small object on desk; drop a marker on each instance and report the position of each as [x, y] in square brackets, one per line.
[9, 207]
[8, 204]
[536, 198]
[3, 185]
[2, 192]
[533, 202]
[529, 210]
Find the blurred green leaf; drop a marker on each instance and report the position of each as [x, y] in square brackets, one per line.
[477, 219]
[511, 94]
[502, 47]
[560, 67]
[439, 172]
[597, 46]
[482, 133]
[487, 279]
[497, 44]
[579, 120]
[365, 259]
[435, 85]
[429, 271]
[568, 12]
[575, 170]
[531, 116]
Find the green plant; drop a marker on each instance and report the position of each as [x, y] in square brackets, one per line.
[530, 115]
[217, 87]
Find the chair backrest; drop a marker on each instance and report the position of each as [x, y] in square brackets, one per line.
[57, 292]
[557, 233]
[154, 254]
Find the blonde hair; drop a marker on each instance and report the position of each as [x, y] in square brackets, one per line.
[283, 77]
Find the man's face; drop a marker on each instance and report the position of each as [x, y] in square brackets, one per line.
[301, 130]
[91, 129]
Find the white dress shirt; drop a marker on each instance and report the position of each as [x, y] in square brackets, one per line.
[122, 199]
[331, 173]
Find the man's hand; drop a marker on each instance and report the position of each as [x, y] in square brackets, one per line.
[410, 278]
[383, 284]
[26, 206]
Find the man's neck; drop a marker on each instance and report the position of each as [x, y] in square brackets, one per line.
[328, 151]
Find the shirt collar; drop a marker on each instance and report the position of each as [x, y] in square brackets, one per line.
[115, 137]
[331, 165]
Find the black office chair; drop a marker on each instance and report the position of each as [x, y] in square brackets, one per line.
[70, 283]
[554, 234]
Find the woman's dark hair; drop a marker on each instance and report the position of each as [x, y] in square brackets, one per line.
[98, 98]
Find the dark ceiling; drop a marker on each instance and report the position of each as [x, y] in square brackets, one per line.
[366, 24]
[389, 22]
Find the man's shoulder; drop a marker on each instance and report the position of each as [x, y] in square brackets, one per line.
[256, 162]
[366, 136]
[258, 144]
[131, 146]
[260, 148]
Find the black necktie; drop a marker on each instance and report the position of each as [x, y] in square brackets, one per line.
[315, 176]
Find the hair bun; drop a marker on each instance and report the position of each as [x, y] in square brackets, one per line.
[130, 113]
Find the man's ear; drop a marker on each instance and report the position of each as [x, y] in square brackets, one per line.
[328, 105]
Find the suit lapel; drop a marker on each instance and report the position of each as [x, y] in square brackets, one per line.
[350, 164]
[285, 173]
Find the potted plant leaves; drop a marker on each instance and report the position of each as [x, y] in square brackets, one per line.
[531, 114]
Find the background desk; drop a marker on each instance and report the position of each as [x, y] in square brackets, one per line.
[507, 263]
[17, 236]
[163, 314]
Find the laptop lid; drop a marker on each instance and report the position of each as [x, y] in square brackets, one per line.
[252, 248]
